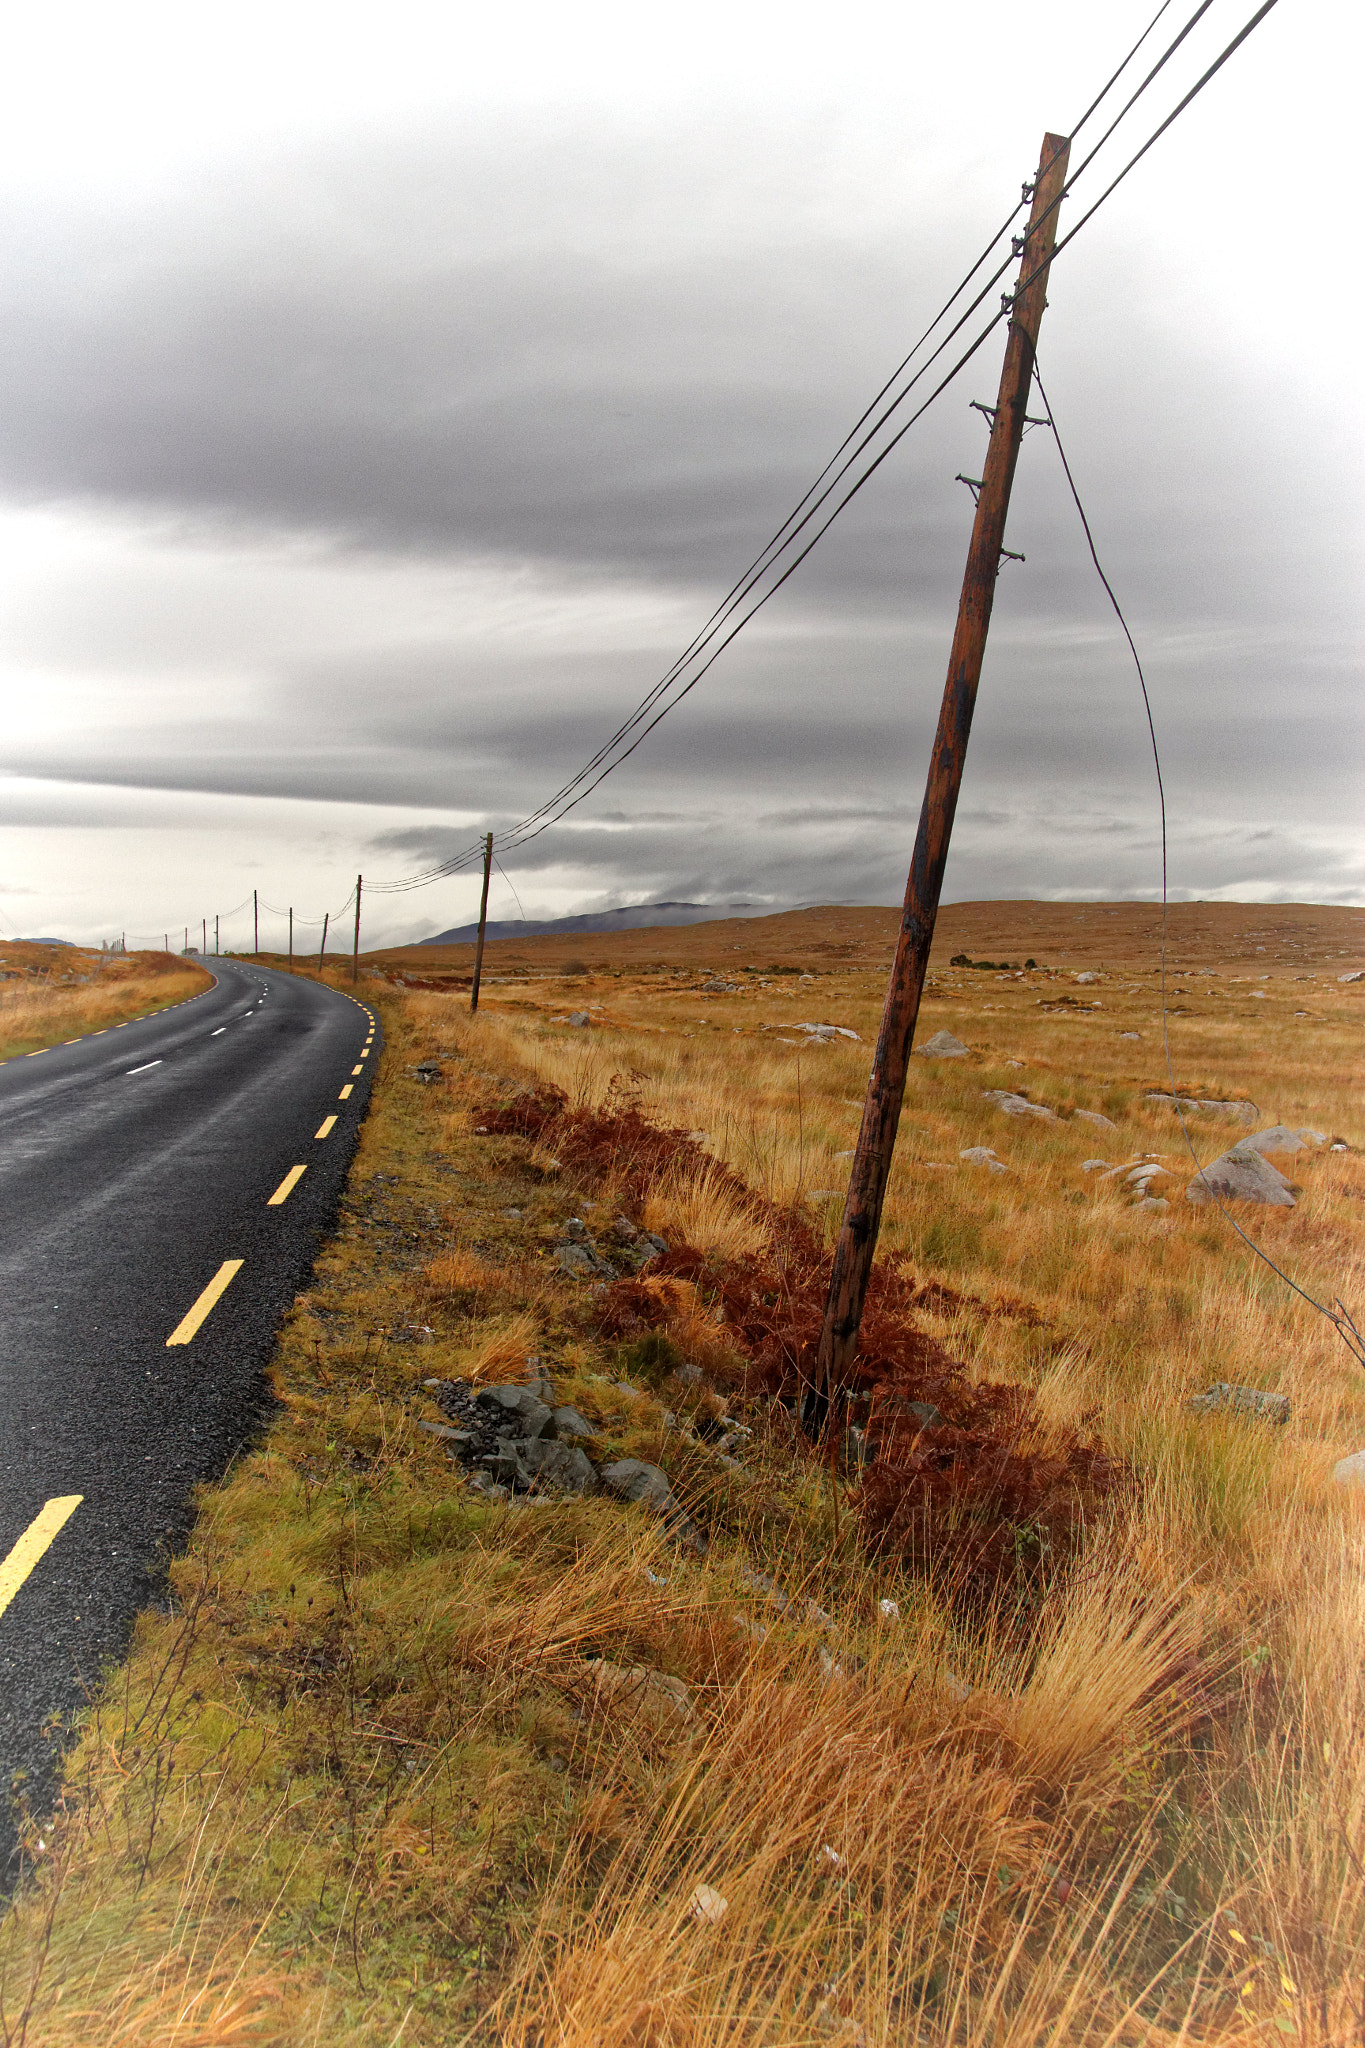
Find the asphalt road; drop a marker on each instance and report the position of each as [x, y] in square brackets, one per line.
[135, 1165]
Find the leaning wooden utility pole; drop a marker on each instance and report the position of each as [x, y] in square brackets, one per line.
[886, 1086]
[323, 947]
[483, 920]
[355, 954]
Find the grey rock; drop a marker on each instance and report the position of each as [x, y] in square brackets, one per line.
[1359, 975]
[1240, 1112]
[1094, 1165]
[943, 1046]
[633, 1479]
[654, 1245]
[1152, 1202]
[1241, 1175]
[581, 1258]
[1018, 1105]
[576, 1231]
[624, 1231]
[542, 1389]
[579, 1019]
[982, 1155]
[443, 1429]
[1279, 1138]
[519, 1405]
[1241, 1401]
[569, 1423]
[1314, 1138]
[562, 1466]
[1092, 1116]
[1350, 1471]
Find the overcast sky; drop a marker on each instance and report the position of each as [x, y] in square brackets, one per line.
[387, 393]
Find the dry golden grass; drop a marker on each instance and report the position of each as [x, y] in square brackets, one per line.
[66, 993]
[406, 1766]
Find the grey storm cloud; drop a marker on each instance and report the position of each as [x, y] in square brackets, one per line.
[593, 353]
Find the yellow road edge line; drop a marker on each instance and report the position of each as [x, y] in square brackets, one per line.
[327, 1123]
[39, 1536]
[286, 1186]
[217, 1286]
[345, 1091]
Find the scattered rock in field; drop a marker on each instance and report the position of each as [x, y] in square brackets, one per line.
[533, 1417]
[1142, 1176]
[719, 988]
[426, 1072]
[1130, 1034]
[1095, 1166]
[943, 1046]
[1350, 1471]
[708, 1905]
[982, 1155]
[1279, 1138]
[633, 1479]
[579, 1018]
[1243, 1112]
[1313, 1138]
[624, 1231]
[560, 1465]
[822, 1033]
[443, 1429]
[651, 1244]
[1359, 975]
[1087, 976]
[576, 1230]
[824, 1194]
[1018, 1105]
[1152, 1202]
[639, 1685]
[1241, 1175]
[888, 1610]
[1241, 1401]
[1092, 1116]
[582, 1259]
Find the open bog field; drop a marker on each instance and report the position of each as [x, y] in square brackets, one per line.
[51, 993]
[1026, 1707]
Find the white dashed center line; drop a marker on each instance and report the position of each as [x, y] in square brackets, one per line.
[145, 1069]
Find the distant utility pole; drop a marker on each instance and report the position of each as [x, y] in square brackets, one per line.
[323, 947]
[217, 949]
[255, 923]
[187, 938]
[204, 921]
[483, 920]
[857, 1243]
[123, 942]
[166, 940]
[355, 956]
[291, 935]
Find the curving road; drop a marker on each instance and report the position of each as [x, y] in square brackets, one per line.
[163, 1189]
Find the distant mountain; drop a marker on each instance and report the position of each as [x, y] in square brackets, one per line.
[633, 918]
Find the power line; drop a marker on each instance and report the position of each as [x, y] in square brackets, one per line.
[1340, 1318]
[613, 752]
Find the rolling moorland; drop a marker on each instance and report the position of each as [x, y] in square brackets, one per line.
[1028, 1707]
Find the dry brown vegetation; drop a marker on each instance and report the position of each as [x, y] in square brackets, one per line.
[52, 993]
[1046, 1728]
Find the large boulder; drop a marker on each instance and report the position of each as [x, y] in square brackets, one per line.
[562, 1466]
[1241, 1175]
[1241, 1401]
[633, 1479]
[1238, 1112]
[1279, 1138]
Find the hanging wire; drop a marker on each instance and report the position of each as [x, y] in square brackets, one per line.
[1339, 1316]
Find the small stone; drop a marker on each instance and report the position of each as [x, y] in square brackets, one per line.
[1241, 1175]
[1241, 1112]
[943, 1046]
[1241, 1401]
[1092, 1116]
[708, 1905]
[982, 1155]
[576, 1230]
[1130, 1034]
[1018, 1105]
[888, 1610]
[1094, 1165]
[518, 1404]
[1152, 1202]
[579, 1019]
[624, 1231]
[1350, 1471]
[443, 1429]
[633, 1479]
[1359, 975]
[1087, 976]
[581, 1258]
[569, 1423]
[562, 1466]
